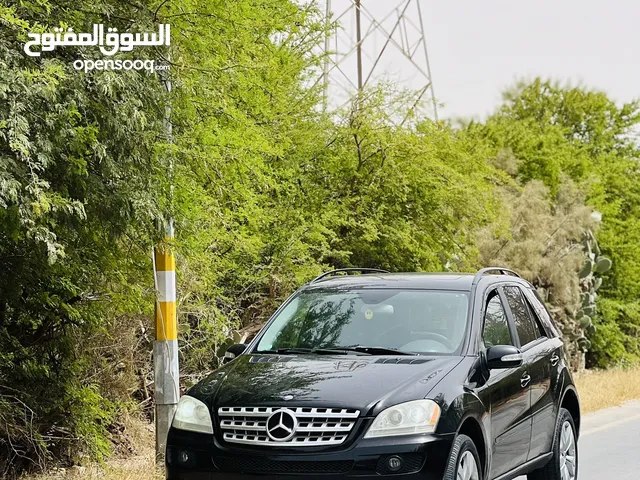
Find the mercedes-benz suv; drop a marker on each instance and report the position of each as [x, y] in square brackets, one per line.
[412, 376]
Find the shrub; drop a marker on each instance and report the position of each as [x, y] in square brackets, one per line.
[616, 339]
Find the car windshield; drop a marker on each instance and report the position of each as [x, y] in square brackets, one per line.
[416, 321]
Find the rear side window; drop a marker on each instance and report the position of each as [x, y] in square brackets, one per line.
[526, 325]
[542, 312]
[496, 329]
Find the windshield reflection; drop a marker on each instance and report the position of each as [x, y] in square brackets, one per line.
[417, 321]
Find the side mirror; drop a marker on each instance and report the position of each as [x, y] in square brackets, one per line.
[503, 356]
[233, 351]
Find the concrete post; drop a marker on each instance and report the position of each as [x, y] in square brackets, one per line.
[165, 347]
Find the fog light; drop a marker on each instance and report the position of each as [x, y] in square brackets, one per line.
[394, 463]
[184, 457]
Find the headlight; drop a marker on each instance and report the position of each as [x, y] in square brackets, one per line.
[419, 416]
[192, 415]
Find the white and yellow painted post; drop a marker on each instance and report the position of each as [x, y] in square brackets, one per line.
[165, 347]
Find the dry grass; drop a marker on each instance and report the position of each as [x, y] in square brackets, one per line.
[607, 388]
[140, 466]
[134, 468]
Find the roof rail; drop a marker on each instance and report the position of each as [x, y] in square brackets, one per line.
[503, 271]
[339, 270]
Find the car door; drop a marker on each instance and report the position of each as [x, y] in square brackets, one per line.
[550, 359]
[538, 355]
[508, 398]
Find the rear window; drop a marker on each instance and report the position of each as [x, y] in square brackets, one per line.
[526, 325]
[541, 312]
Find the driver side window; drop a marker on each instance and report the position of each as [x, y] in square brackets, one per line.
[496, 329]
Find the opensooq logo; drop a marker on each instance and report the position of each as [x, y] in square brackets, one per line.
[110, 44]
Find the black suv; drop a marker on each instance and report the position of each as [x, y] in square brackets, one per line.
[415, 376]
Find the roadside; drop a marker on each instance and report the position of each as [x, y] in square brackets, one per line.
[138, 466]
[600, 389]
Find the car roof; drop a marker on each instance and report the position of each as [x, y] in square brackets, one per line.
[432, 281]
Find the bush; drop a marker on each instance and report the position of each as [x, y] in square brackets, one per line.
[616, 339]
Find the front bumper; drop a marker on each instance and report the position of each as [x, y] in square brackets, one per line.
[423, 457]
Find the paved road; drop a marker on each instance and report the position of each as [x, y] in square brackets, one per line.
[609, 446]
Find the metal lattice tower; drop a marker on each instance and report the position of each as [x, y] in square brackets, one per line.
[377, 40]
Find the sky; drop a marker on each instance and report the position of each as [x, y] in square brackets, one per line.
[478, 48]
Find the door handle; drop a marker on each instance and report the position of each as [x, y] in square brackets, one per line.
[554, 360]
[524, 381]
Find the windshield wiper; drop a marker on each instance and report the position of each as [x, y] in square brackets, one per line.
[287, 350]
[367, 350]
[338, 350]
[317, 351]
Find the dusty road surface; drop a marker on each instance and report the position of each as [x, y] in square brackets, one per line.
[609, 444]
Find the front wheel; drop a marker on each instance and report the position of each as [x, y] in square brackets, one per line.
[564, 462]
[464, 463]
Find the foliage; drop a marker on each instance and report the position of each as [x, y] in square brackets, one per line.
[553, 132]
[585, 135]
[544, 244]
[242, 120]
[616, 340]
[402, 198]
[77, 165]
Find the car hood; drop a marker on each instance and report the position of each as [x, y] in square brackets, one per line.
[368, 384]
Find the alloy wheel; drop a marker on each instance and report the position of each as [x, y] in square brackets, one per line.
[567, 452]
[468, 468]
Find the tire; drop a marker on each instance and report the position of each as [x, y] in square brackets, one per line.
[560, 466]
[462, 452]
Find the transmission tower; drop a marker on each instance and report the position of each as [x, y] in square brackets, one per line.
[373, 41]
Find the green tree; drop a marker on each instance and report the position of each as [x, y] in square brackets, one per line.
[77, 168]
[544, 244]
[551, 132]
[244, 116]
[404, 198]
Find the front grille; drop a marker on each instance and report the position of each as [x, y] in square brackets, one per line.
[315, 426]
[264, 465]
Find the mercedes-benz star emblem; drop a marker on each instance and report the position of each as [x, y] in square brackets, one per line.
[281, 425]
